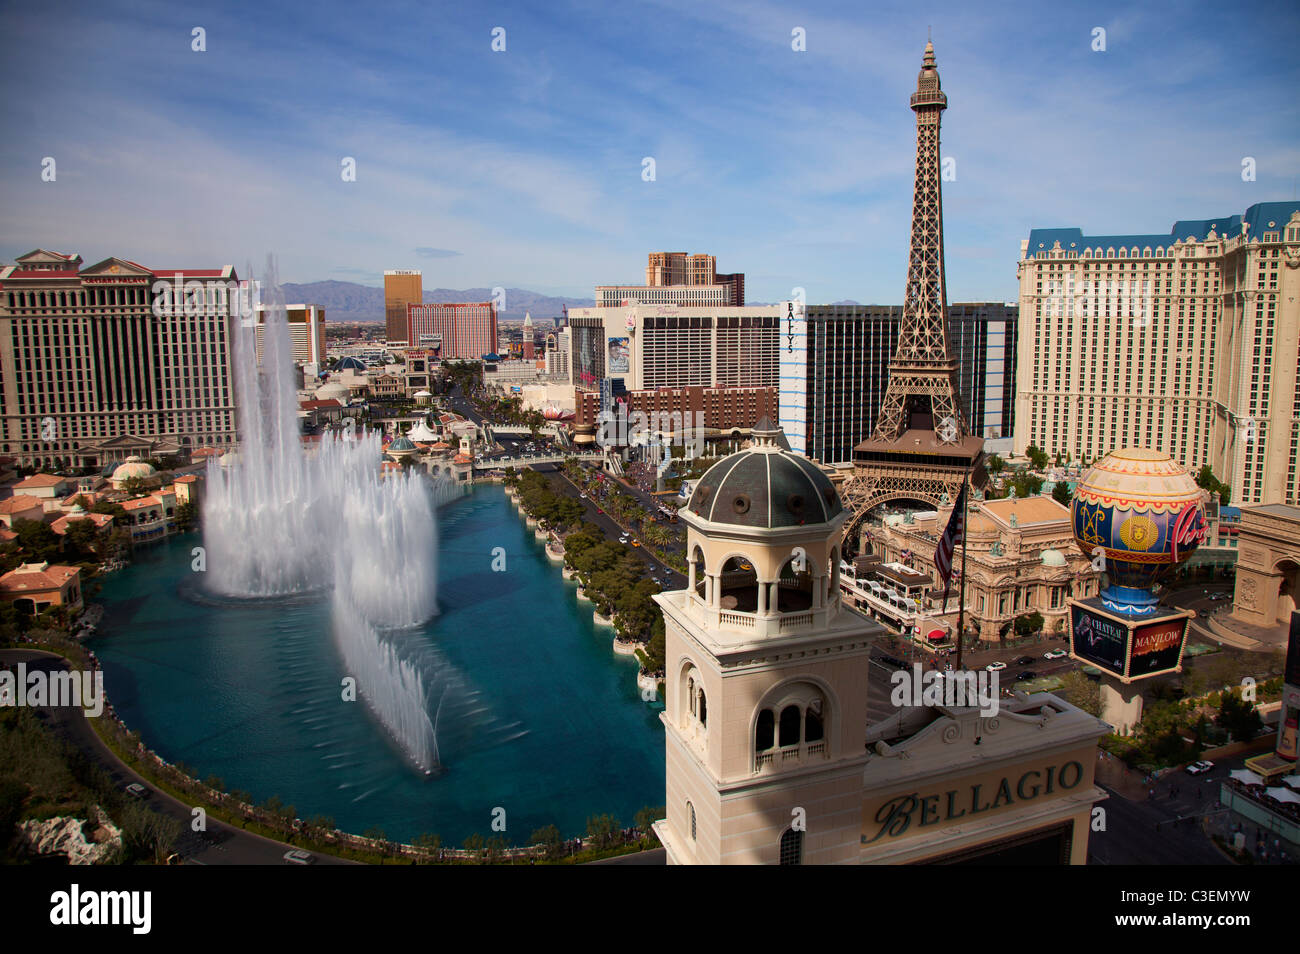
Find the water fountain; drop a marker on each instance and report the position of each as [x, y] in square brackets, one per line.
[278, 521]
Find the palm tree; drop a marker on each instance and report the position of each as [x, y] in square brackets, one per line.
[657, 535]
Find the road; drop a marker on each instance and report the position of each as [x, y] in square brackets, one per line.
[221, 844]
[1162, 830]
[595, 517]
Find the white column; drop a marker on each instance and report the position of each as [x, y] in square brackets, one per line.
[762, 598]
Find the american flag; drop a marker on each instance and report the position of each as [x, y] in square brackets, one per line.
[951, 539]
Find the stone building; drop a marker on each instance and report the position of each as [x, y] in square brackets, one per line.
[770, 757]
[1020, 557]
[1268, 565]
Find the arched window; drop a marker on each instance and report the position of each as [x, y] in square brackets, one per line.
[704, 711]
[812, 722]
[792, 847]
[690, 693]
[765, 733]
[691, 808]
[790, 719]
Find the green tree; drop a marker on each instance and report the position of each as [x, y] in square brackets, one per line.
[1206, 480]
[1061, 494]
[1037, 457]
[83, 540]
[113, 509]
[1078, 690]
[1029, 623]
[187, 516]
[550, 839]
[995, 464]
[602, 831]
[38, 541]
[1238, 717]
[646, 818]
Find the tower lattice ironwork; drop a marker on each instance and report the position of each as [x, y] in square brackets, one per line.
[921, 448]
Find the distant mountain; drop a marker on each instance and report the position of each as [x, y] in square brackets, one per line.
[348, 301]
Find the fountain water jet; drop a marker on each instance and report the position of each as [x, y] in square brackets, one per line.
[278, 521]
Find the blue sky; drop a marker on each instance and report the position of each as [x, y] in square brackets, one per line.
[523, 168]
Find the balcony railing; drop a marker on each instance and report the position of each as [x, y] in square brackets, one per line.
[802, 752]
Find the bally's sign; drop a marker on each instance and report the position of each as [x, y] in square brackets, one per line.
[896, 816]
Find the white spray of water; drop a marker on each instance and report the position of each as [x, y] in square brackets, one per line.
[278, 521]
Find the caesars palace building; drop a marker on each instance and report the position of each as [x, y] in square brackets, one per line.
[770, 756]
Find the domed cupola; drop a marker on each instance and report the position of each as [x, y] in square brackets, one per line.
[763, 543]
[765, 486]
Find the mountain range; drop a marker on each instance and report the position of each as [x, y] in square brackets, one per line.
[348, 301]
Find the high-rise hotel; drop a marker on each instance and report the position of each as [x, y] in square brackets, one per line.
[675, 278]
[455, 330]
[97, 362]
[1188, 343]
[834, 368]
[403, 287]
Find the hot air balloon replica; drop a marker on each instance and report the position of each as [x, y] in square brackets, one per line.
[1137, 514]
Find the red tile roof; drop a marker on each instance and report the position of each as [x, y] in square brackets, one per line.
[35, 576]
[100, 520]
[20, 503]
[41, 480]
[140, 502]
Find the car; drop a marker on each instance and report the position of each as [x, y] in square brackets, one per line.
[296, 856]
[583, 496]
[1199, 768]
[1055, 654]
[636, 543]
[136, 790]
[1026, 675]
[996, 666]
[598, 510]
[1026, 661]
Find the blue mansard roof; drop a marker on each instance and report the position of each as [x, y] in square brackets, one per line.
[1257, 217]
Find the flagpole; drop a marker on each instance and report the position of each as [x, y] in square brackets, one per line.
[961, 588]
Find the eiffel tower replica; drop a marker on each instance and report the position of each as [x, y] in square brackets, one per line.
[921, 448]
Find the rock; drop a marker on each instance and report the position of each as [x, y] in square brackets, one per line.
[66, 836]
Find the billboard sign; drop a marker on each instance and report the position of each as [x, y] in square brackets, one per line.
[1098, 640]
[1127, 649]
[619, 356]
[1156, 647]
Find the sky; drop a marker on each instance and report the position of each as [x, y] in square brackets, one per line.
[525, 167]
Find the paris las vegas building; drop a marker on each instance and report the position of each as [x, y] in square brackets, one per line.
[770, 755]
[1188, 343]
[90, 374]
